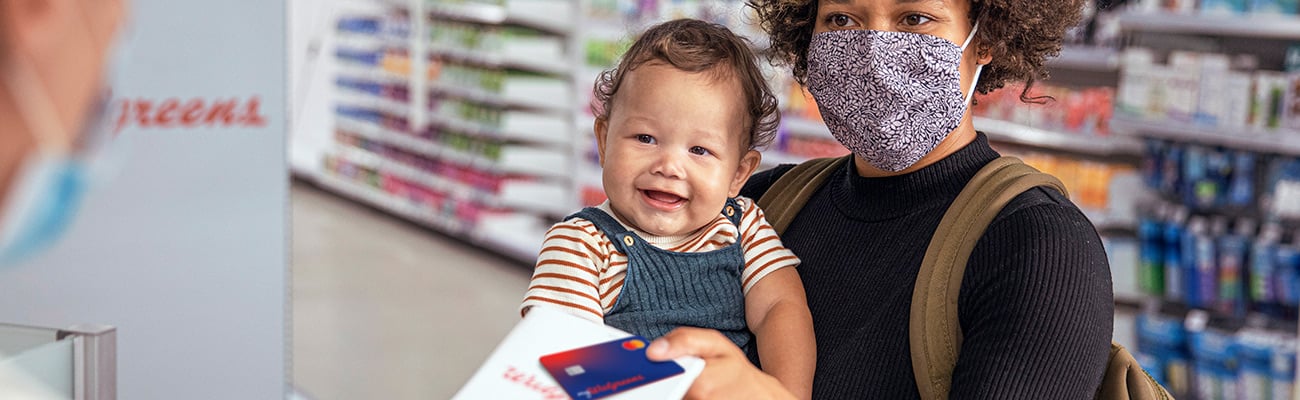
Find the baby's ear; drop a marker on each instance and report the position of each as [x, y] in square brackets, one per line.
[748, 163]
[600, 127]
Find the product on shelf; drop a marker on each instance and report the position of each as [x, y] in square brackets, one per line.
[1208, 89]
[1073, 111]
[1089, 182]
[1219, 7]
[1207, 178]
[1199, 356]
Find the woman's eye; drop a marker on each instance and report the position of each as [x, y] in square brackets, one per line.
[916, 19]
[647, 139]
[839, 21]
[699, 151]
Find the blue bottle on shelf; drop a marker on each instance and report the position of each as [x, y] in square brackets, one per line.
[1174, 254]
[1283, 366]
[1263, 271]
[1255, 374]
[1241, 189]
[1232, 251]
[1151, 272]
[1199, 271]
[1171, 181]
[1216, 364]
[1195, 180]
[1287, 262]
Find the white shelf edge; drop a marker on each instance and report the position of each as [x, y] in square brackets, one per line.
[804, 127]
[386, 202]
[361, 99]
[1086, 58]
[438, 151]
[1243, 25]
[478, 130]
[366, 72]
[498, 15]
[455, 189]
[1282, 142]
[493, 99]
[772, 158]
[1010, 132]
[383, 200]
[502, 61]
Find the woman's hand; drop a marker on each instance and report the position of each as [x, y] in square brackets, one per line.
[727, 373]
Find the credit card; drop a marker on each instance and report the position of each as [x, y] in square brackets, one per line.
[606, 369]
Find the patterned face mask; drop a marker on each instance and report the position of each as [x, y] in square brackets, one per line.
[890, 97]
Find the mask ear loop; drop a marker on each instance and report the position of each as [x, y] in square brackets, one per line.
[978, 69]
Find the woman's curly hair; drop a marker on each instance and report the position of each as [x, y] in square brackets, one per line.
[698, 47]
[1019, 34]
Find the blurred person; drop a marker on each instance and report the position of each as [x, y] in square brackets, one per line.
[53, 55]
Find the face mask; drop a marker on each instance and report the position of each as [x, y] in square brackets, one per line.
[50, 184]
[890, 97]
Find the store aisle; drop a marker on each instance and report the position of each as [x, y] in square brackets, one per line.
[383, 309]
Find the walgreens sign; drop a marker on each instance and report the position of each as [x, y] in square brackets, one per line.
[198, 112]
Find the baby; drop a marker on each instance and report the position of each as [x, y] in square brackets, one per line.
[677, 125]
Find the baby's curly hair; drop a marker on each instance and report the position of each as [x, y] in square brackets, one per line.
[698, 46]
[1019, 34]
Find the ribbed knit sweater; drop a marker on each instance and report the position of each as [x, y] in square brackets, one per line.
[1035, 307]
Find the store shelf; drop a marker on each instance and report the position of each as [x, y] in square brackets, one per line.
[1086, 58]
[1248, 25]
[507, 59]
[1010, 132]
[513, 159]
[515, 126]
[373, 196]
[772, 158]
[1283, 142]
[800, 126]
[546, 15]
[1105, 220]
[512, 96]
[514, 236]
[372, 101]
[521, 195]
[367, 41]
[370, 73]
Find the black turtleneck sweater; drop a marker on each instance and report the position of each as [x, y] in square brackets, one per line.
[1035, 305]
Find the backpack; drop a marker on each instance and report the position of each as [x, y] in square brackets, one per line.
[934, 331]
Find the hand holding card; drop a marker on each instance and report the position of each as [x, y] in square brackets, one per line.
[513, 371]
[606, 369]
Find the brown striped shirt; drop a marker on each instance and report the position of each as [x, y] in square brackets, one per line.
[580, 270]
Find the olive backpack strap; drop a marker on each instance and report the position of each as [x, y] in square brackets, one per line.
[934, 330]
[783, 200]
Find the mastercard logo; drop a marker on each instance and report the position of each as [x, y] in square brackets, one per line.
[634, 344]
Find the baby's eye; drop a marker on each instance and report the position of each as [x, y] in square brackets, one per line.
[700, 151]
[916, 20]
[644, 138]
[839, 21]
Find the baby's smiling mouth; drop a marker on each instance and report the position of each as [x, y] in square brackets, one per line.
[663, 200]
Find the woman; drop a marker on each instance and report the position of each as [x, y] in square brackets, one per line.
[893, 80]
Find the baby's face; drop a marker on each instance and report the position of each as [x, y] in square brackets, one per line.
[672, 148]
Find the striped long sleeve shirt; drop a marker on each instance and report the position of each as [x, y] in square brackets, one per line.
[580, 271]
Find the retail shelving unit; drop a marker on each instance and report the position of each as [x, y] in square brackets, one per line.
[455, 115]
[1260, 36]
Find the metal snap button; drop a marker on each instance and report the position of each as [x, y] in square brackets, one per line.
[628, 240]
[731, 211]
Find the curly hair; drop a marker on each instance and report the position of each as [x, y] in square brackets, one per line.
[698, 46]
[1019, 34]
